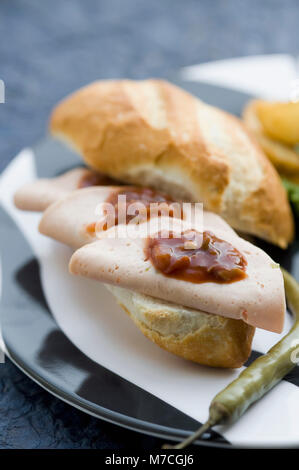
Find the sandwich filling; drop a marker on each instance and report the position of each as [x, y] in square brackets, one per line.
[135, 205]
[143, 202]
[198, 272]
[196, 257]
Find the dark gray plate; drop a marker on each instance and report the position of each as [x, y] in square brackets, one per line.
[39, 348]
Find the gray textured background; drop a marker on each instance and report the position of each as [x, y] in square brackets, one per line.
[49, 48]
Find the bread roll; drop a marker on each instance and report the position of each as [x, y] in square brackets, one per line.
[155, 134]
[200, 337]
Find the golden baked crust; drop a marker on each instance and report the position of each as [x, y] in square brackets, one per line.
[227, 346]
[197, 336]
[154, 133]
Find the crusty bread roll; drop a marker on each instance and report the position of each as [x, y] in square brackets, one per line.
[200, 337]
[154, 133]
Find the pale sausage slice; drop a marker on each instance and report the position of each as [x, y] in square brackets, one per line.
[69, 219]
[41, 193]
[258, 299]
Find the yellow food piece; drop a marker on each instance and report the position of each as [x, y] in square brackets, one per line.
[280, 120]
[283, 157]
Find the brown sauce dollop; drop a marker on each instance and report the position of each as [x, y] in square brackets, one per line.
[196, 257]
[146, 197]
[92, 178]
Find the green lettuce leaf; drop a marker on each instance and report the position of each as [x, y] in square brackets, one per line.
[293, 194]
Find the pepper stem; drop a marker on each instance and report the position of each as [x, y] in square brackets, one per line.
[186, 442]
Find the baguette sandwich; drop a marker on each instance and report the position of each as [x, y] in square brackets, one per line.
[209, 323]
[174, 148]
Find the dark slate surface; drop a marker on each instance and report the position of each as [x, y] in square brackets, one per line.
[50, 48]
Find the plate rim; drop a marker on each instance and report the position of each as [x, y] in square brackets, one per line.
[114, 417]
[100, 412]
